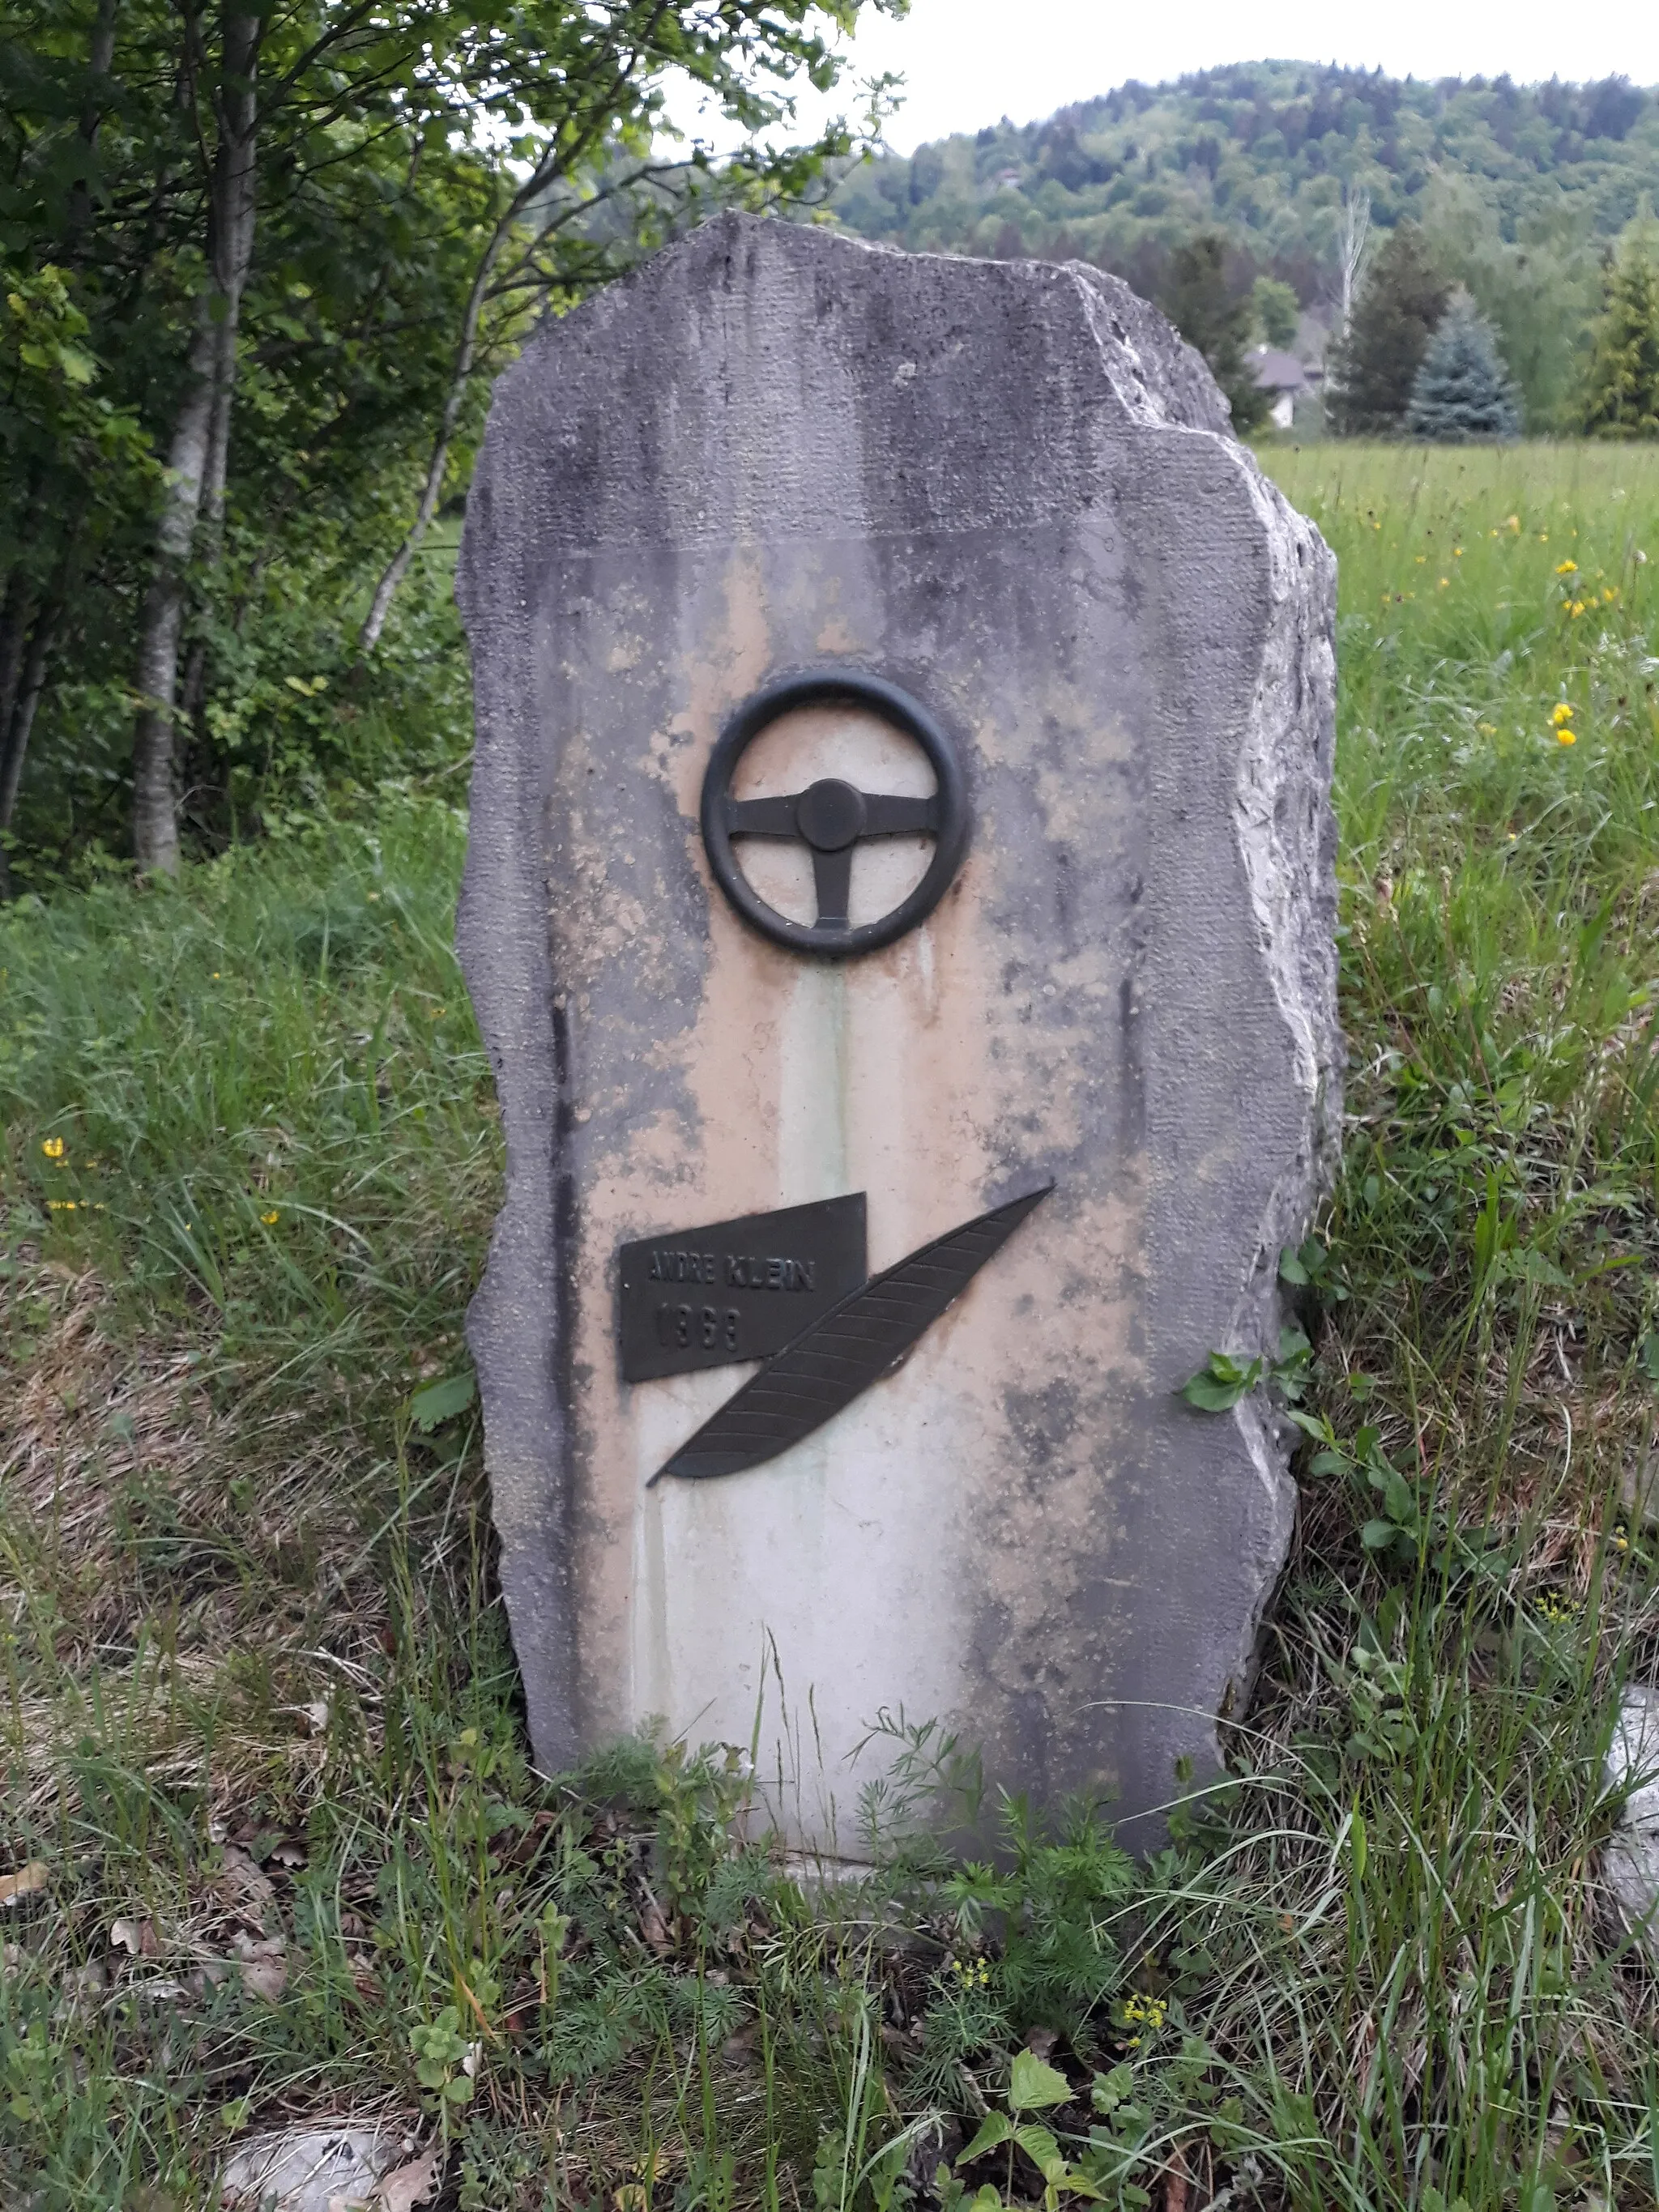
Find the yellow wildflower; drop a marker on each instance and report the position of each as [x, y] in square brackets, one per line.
[1564, 736]
[1609, 593]
[53, 1147]
[1487, 729]
[1514, 523]
[1561, 713]
[1444, 581]
[1457, 552]
[1576, 609]
[270, 1219]
[1566, 567]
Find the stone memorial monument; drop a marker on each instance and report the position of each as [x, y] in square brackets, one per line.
[899, 909]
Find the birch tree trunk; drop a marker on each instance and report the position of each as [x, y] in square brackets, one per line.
[209, 381]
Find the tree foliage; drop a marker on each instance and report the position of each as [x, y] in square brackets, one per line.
[1372, 366]
[1277, 310]
[1518, 189]
[1199, 301]
[259, 269]
[1621, 382]
[1462, 391]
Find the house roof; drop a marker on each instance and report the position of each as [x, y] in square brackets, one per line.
[1278, 372]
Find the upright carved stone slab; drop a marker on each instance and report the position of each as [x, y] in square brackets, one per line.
[1008, 490]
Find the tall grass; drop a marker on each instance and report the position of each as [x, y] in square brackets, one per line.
[257, 1692]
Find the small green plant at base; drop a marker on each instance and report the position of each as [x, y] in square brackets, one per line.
[441, 2052]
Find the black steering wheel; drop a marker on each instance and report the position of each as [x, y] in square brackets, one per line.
[829, 817]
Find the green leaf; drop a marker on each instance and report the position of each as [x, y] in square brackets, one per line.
[440, 1401]
[1107, 2091]
[994, 2128]
[1377, 1535]
[1291, 1269]
[1033, 2085]
[1044, 2152]
[1221, 1382]
[459, 2091]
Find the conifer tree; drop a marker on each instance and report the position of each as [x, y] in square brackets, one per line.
[1462, 391]
[1196, 299]
[1374, 364]
[1621, 384]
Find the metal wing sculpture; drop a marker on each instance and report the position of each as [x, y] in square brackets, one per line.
[855, 1343]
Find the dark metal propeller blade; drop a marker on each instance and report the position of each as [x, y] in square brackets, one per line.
[838, 1358]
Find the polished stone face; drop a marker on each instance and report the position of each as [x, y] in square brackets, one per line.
[1010, 491]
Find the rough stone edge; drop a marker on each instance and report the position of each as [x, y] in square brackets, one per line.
[1286, 836]
[508, 973]
[1630, 1858]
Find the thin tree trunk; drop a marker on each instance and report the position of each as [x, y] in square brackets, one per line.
[209, 381]
[466, 353]
[16, 610]
[381, 606]
[210, 530]
[100, 57]
[14, 732]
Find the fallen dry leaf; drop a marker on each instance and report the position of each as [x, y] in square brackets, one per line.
[136, 1937]
[24, 1883]
[265, 1965]
[245, 1886]
[364, 1979]
[411, 2184]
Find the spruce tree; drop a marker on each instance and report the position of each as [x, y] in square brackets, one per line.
[1196, 299]
[1462, 391]
[1621, 384]
[1374, 364]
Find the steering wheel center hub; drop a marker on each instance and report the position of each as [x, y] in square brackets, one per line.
[830, 814]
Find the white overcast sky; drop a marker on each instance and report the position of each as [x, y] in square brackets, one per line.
[966, 63]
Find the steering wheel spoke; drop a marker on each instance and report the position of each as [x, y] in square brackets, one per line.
[762, 818]
[832, 879]
[887, 814]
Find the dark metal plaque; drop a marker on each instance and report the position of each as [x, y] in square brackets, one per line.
[837, 1359]
[738, 1290]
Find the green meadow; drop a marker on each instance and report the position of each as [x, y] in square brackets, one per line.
[272, 1849]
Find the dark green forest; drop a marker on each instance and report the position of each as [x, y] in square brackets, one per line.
[258, 268]
[1520, 190]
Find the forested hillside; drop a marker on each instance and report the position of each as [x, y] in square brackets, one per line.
[1519, 188]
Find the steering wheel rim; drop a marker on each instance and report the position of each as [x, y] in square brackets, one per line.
[829, 803]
